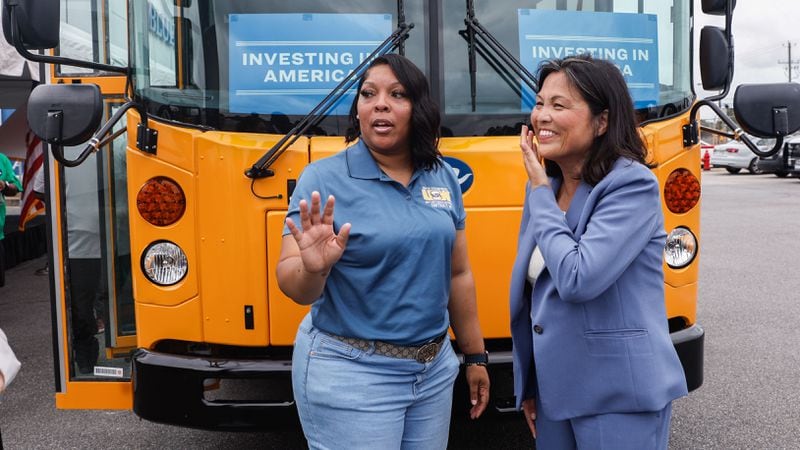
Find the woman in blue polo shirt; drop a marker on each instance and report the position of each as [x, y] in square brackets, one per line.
[373, 366]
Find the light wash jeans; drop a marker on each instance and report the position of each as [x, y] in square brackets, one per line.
[353, 399]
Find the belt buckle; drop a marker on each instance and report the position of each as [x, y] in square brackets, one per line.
[427, 352]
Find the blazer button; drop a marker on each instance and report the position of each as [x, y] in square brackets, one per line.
[538, 329]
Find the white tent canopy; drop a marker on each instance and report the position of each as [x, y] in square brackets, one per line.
[17, 76]
[14, 66]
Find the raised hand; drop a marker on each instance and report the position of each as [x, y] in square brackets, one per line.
[530, 157]
[320, 247]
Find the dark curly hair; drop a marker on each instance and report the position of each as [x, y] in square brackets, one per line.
[425, 119]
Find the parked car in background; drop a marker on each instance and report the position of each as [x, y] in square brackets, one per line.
[734, 155]
[784, 163]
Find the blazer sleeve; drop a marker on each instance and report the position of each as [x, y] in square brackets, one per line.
[9, 365]
[622, 222]
[520, 311]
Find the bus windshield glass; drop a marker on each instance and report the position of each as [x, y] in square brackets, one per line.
[649, 40]
[258, 65]
[261, 65]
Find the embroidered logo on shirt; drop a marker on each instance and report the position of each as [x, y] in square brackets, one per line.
[437, 197]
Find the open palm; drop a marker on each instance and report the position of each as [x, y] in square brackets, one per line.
[320, 247]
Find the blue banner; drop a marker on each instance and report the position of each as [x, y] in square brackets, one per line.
[628, 40]
[287, 63]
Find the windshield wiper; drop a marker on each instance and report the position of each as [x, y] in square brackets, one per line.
[500, 68]
[261, 168]
[401, 21]
[476, 35]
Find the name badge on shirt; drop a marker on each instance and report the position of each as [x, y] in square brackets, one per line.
[437, 197]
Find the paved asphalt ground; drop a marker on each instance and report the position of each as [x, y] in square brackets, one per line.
[749, 307]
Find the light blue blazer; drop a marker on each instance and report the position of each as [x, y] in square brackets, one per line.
[593, 338]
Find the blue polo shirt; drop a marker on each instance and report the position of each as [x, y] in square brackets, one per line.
[393, 280]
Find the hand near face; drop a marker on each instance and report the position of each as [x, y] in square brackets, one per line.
[530, 157]
[320, 247]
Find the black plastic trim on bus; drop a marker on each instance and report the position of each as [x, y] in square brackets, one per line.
[689, 344]
[170, 389]
[58, 364]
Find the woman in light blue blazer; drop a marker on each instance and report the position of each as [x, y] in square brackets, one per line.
[594, 366]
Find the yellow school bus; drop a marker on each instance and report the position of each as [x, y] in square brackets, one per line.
[166, 226]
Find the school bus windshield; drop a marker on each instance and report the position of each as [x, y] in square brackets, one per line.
[261, 65]
[258, 65]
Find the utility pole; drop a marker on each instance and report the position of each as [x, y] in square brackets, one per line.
[790, 63]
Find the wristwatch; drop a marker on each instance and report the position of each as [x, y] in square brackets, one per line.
[477, 359]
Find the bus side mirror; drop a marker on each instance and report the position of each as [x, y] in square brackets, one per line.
[38, 22]
[716, 7]
[715, 59]
[65, 114]
[768, 110]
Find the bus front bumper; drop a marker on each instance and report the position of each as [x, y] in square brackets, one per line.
[187, 391]
[689, 345]
[196, 392]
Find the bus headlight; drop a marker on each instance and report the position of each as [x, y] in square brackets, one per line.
[164, 263]
[681, 248]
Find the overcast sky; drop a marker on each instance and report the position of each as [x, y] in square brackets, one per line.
[761, 31]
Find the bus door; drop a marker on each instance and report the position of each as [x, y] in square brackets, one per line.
[94, 323]
[94, 313]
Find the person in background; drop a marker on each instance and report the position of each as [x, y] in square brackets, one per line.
[9, 185]
[373, 366]
[88, 287]
[9, 366]
[39, 192]
[594, 366]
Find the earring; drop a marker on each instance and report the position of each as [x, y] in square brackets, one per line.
[357, 117]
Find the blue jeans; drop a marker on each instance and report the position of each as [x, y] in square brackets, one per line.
[353, 399]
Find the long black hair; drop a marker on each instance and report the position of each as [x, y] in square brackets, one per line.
[425, 119]
[601, 85]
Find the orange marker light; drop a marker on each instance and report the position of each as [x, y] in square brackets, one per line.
[681, 191]
[161, 201]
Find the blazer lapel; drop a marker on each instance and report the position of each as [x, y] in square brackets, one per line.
[577, 204]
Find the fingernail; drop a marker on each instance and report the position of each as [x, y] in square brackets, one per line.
[474, 402]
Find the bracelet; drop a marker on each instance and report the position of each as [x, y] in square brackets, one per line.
[482, 364]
